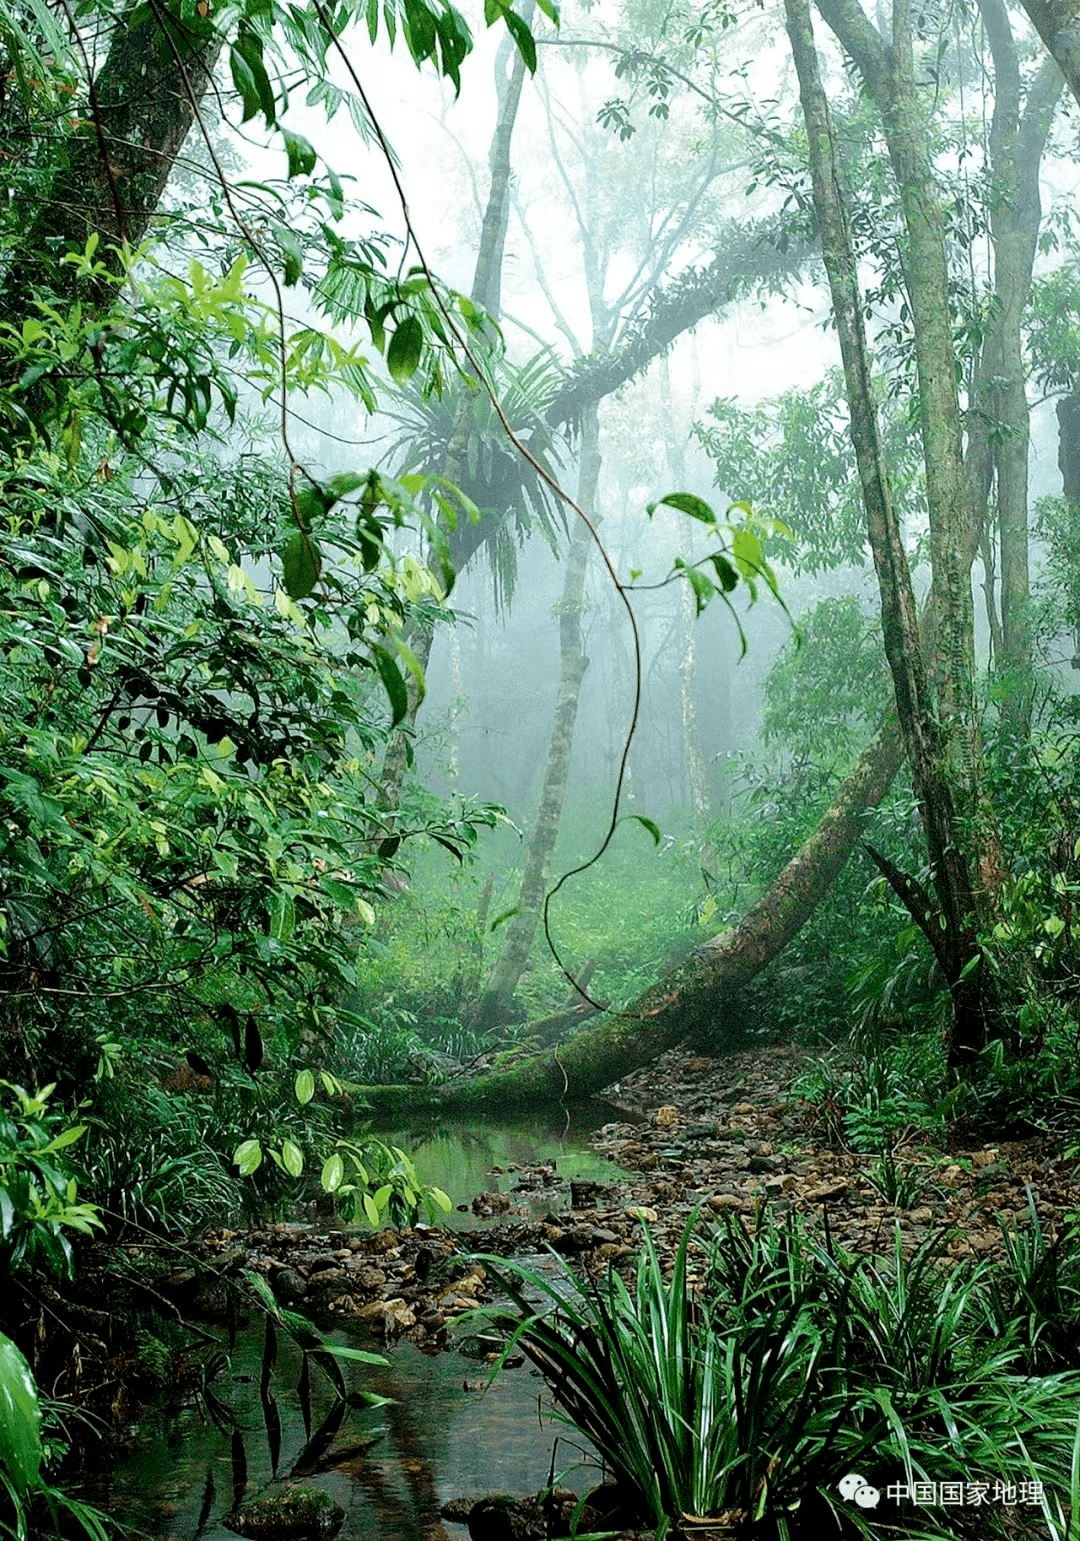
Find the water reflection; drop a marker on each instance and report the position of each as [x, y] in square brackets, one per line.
[390, 1468]
[462, 1159]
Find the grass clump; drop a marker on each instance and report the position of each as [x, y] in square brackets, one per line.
[740, 1384]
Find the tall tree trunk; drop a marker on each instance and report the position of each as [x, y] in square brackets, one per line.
[486, 291]
[940, 736]
[112, 172]
[692, 759]
[1016, 146]
[495, 1002]
[693, 765]
[702, 993]
[457, 706]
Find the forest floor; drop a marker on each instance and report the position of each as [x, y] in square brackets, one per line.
[727, 1134]
[724, 1135]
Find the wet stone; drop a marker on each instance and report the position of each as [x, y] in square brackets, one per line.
[299, 1514]
[287, 1284]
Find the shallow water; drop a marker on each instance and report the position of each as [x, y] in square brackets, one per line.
[437, 1441]
[390, 1468]
[462, 1160]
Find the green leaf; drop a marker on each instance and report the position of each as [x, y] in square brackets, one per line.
[524, 39]
[293, 253]
[368, 1399]
[654, 829]
[292, 1158]
[360, 1355]
[282, 916]
[64, 1138]
[393, 684]
[348, 481]
[406, 345]
[729, 578]
[248, 1157]
[443, 1200]
[20, 1419]
[369, 1209]
[250, 77]
[686, 503]
[311, 503]
[302, 565]
[304, 1087]
[301, 153]
[746, 546]
[332, 1173]
[704, 588]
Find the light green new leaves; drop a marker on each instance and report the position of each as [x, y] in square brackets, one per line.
[740, 559]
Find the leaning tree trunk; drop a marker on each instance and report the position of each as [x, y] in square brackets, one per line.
[1058, 24]
[702, 993]
[494, 1004]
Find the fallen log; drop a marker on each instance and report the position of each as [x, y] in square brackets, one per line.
[697, 994]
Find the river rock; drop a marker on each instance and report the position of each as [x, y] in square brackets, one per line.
[297, 1514]
[583, 1193]
[501, 1517]
[287, 1284]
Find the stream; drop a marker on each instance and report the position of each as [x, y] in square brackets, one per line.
[465, 1160]
[390, 1468]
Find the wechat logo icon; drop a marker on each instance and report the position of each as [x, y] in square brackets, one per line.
[856, 1487]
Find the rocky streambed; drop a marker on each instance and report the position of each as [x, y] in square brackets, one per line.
[720, 1135]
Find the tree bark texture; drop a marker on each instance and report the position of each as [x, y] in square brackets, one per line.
[937, 764]
[1058, 24]
[700, 994]
[890, 78]
[1000, 414]
[114, 168]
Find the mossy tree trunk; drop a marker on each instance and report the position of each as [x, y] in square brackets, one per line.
[934, 689]
[700, 995]
[111, 173]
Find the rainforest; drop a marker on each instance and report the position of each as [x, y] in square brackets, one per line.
[539, 770]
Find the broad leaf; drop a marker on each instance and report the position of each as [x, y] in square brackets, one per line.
[20, 1419]
[406, 345]
[393, 684]
[302, 565]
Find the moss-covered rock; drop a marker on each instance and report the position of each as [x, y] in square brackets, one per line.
[294, 1514]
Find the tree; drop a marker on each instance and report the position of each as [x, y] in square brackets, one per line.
[1058, 24]
[932, 662]
[184, 785]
